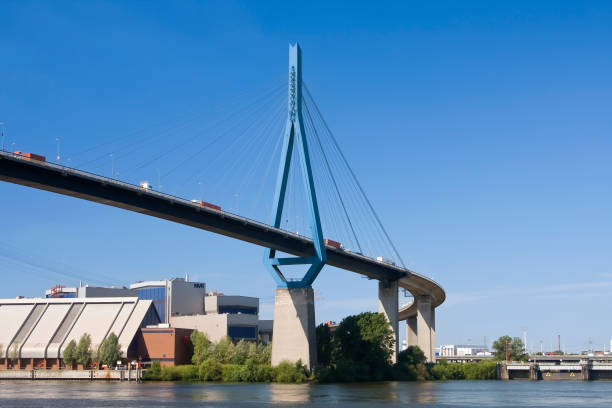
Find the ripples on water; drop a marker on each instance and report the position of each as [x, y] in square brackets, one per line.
[66, 394]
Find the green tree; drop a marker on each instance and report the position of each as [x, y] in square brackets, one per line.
[110, 350]
[324, 345]
[83, 350]
[241, 353]
[14, 353]
[69, 354]
[515, 347]
[225, 350]
[411, 365]
[201, 344]
[361, 348]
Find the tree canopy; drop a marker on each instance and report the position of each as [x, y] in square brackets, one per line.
[110, 350]
[83, 350]
[69, 353]
[360, 349]
[515, 347]
[200, 344]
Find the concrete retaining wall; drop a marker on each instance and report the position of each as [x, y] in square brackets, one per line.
[117, 375]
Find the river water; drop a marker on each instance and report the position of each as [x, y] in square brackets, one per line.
[66, 394]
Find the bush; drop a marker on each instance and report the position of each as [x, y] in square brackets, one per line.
[182, 372]
[287, 372]
[411, 365]
[153, 373]
[483, 370]
[232, 373]
[254, 372]
[211, 370]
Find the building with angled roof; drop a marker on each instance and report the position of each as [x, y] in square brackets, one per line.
[34, 332]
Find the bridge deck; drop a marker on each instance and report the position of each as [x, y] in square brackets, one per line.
[76, 183]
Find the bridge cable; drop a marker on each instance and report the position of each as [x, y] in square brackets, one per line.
[331, 174]
[355, 177]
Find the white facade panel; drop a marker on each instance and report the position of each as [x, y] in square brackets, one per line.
[41, 335]
[12, 317]
[122, 318]
[133, 324]
[95, 320]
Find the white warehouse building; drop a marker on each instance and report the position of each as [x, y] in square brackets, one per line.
[36, 331]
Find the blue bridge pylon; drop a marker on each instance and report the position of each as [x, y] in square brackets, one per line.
[295, 134]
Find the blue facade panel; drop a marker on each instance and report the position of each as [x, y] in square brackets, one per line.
[158, 296]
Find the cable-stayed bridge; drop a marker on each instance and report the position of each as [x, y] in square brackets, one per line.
[320, 213]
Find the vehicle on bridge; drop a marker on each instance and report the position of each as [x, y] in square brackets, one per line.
[30, 156]
[332, 243]
[208, 205]
[146, 185]
[385, 260]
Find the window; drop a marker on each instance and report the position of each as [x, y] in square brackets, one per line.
[158, 296]
[242, 332]
[237, 309]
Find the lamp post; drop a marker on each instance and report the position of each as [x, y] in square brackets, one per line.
[112, 165]
[58, 148]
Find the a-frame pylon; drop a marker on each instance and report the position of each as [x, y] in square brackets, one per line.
[295, 135]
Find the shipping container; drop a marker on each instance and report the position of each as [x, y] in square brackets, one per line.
[333, 243]
[32, 156]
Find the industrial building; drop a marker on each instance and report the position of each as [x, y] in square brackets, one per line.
[233, 316]
[152, 319]
[61, 292]
[168, 345]
[451, 350]
[173, 297]
[36, 331]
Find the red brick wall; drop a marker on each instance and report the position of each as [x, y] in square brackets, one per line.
[169, 346]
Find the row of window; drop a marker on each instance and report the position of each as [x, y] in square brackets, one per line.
[152, 293]
[242, 332]
[237, 309]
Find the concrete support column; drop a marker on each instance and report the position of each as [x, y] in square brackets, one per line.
[425, 322]
[585, 367]
[294, 327]
[411, 331]
[533, 372]
[388, 305]
[432, 330]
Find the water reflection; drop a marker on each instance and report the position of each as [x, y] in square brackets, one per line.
[282, 393]
[423, 393]
[68, 394]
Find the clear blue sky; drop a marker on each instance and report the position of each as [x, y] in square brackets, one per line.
[480, 130]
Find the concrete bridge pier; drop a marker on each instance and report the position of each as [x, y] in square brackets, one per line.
[426, 327]
[294, 327]
[411, 331]
[388, 305]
